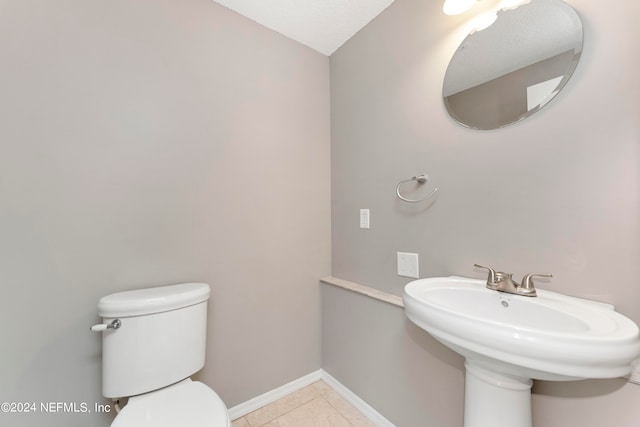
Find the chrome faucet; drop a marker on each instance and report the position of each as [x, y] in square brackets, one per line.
[503, 282]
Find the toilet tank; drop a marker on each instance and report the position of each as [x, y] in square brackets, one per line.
[161, 340]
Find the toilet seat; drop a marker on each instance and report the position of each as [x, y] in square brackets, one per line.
[185, 404]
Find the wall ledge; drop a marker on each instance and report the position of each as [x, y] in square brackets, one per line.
[364, 290]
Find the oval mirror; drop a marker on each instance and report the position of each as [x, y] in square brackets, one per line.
[511, 69]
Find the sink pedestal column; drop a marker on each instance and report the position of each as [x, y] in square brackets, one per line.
[495, 399]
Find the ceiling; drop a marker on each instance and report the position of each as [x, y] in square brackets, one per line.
[323, 25]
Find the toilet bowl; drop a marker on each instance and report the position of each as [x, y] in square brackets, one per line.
[188, 403]
[153, 340]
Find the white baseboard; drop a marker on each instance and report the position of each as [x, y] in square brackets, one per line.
[374, 416]
[271, 396]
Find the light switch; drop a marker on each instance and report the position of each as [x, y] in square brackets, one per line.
[408, 265]
[364, 218]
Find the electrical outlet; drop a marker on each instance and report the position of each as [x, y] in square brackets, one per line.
[408, 265]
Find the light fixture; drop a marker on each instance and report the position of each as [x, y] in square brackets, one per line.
[456, 7]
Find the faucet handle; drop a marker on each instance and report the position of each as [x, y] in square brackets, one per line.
[527, 286]
[491, 279]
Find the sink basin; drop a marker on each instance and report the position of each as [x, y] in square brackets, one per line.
[508, 340]
[552, 336]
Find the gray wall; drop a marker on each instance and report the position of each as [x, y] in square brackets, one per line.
[559, 192]
[394, 366]
[153, 142]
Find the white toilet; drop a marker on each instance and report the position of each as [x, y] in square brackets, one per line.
[153, 340]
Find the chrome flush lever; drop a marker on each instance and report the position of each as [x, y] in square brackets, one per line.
[115, 324]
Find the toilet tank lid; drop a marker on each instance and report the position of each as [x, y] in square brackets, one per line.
[152, 300]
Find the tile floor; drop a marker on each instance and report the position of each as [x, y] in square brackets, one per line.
[316, 405]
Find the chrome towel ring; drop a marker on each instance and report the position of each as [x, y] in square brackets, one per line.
[420, 179]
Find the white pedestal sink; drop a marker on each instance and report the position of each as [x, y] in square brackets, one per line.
[509, 340]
